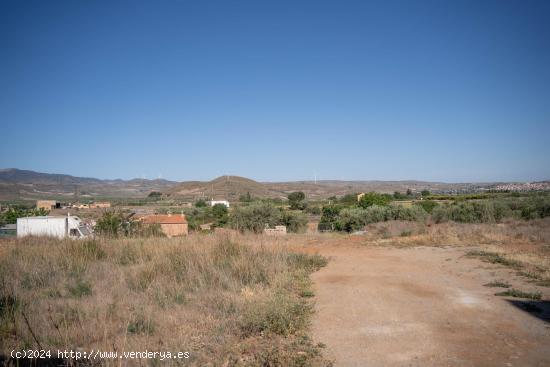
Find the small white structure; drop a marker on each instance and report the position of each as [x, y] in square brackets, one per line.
[277, 231]
[223, 202]
[60, 227]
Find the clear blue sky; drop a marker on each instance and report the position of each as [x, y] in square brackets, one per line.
[276, 90]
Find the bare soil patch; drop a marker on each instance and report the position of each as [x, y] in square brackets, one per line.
[425, 306]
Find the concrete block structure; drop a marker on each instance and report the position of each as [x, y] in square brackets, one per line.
[46, 204]
[277, 231]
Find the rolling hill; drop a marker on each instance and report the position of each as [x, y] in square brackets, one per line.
[223, 187]
[16, 184]
[232, 187]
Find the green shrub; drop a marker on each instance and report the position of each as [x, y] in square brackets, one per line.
[375, 214]
[110, 224]
[255, 217]
[297, 200]
[281, 314]
[329, 217]
[399, 196]
[260, 215]
[353, 219]
[516, 293]
[399, 212]
[200, 203]
[348, 199]
[220, 216]
[246, 198]
[472, 212]
[374, 198]
[315, 210]
[295, 221]
[536, 207]
[427, 205]
[10, 216]
[80, 288]
[494, 258]
[309, 263]
[141, 325]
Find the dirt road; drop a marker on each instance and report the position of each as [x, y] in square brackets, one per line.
[424, 307]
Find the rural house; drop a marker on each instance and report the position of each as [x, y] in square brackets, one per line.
[47, 204]
[171, 225]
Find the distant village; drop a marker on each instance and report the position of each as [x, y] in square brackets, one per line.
[58, 219]
[524, 186]
[72, 226]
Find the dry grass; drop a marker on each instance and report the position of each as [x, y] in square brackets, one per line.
[228, 301]
[536, 296]
[519, 244]
[239, 300]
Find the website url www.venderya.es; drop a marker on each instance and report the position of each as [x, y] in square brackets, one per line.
[98, 354]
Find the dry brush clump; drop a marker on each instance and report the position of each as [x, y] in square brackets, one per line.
[238, 301]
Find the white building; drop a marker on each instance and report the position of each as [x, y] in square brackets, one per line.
[60, 227]
[223, 202]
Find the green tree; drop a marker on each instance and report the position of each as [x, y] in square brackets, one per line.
[351, 219]
[329, 217]
[297, 200]
[373, 198]
[315, 210]
[399, 196]
[11, 215]
[246, 198]
[255, 217]
[200, 203]
[427, 205]
[41, 212]
[295, 221]
[349, 199]
[110, 224]
[219, 212]
[425, 193]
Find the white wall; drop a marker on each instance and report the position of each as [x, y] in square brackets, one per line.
[223, 202]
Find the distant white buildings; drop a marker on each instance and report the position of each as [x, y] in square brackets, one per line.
[223, 202]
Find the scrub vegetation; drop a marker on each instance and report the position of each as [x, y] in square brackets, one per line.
[231, 301]
[349, 216]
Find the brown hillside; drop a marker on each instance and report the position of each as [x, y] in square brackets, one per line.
[232, 187]
[223, 187]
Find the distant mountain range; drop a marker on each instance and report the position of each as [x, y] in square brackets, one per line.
[232, 187]
[30, 185]
[18, 184]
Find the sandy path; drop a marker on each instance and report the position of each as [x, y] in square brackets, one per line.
[422, 307]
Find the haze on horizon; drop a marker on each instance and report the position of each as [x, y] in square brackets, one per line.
[384, 90]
